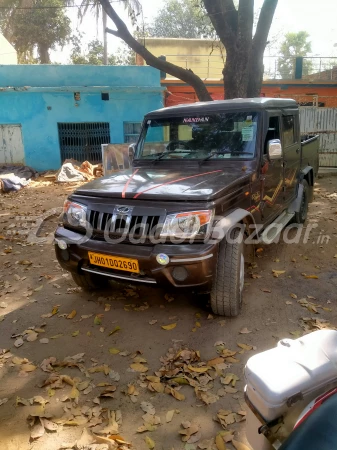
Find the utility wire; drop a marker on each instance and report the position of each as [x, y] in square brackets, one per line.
[54, 7]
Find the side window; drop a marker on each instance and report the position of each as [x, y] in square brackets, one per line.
[273, 131]
[288, 134]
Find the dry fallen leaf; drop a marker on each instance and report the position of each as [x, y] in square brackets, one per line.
[114, 351]
[169, 327]
[32, 337]
[148, 408]
[239, 445]
[98, 319]
[277, 273]
[268, 291]
[115, 330]
[312, 277]
[153, 322]
[18, 343]
[245, 346]
[230, 378]
[245, 331]
[293, 295]
[86, 316]
[219, 442]
[198, 369]
[176, 394]
[72, 314]
[138, 367]
[169, 415]
[150, 443]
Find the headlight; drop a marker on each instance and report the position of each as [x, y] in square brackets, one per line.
[188, 225]
[75, 214]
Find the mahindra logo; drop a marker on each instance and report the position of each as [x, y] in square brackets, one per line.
[123, 209]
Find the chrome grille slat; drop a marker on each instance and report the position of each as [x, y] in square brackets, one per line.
[122, 224]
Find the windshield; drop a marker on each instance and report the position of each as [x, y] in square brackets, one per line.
[217, 136]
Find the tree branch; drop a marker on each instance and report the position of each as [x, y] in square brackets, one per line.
[224, 18]
[113, 32]
[178, 72]
[264, 23]
[246, 22]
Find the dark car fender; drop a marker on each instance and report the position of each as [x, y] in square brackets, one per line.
[238, 216]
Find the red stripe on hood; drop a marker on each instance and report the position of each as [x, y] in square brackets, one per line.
[127, 183]
[175, 181]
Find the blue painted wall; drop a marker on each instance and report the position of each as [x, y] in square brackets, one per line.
[44, 95]
[77, 75]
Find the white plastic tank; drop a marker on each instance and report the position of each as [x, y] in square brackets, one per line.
[281, 381]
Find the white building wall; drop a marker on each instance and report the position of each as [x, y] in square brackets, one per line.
[8, 53]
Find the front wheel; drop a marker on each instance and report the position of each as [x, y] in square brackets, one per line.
[90, 281]
[228, 282]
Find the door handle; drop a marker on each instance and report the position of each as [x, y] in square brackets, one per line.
[297, 150]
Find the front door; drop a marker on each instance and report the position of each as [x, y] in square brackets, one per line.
[11, 146]
[271, 176]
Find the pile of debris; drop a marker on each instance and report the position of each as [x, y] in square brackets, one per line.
[14, 178]
[72, 170]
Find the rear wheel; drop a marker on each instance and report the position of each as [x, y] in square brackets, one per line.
[90, 281]
[228, 282]
[301, 215]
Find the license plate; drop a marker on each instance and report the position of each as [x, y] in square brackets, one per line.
[114, 262]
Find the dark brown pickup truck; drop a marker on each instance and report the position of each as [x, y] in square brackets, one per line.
[204, 178]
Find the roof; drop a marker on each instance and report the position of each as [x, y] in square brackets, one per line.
[252, 104]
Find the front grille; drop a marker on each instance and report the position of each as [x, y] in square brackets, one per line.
[116, 225]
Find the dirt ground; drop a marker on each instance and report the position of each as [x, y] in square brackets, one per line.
[33, 285]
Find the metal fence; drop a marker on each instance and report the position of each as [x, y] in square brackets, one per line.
[275, 67]
[322, 121]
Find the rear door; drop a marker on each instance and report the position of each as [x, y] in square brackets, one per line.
[291, 145]
[271, 173]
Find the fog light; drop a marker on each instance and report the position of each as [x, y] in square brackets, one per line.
[62, 244]
[162, 259]
[179, 273]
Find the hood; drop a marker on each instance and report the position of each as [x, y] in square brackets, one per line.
[167, 184]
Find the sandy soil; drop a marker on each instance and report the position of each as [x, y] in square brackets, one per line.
[31, 290]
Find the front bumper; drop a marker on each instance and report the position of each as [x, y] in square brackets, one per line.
[198, 260]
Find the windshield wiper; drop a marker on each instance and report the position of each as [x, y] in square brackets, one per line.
[168, 153]
[225, 152]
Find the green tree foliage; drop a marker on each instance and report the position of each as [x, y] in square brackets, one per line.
[184, 19]
[40, 27]
[94, 54]
[294, 44]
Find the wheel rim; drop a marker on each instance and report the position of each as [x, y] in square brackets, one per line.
[242, 272]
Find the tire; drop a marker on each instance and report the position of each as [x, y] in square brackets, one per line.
[301, 215]
[90, 282]
[226, 293]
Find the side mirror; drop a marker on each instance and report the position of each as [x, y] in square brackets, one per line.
[274, 149]
[132, 150]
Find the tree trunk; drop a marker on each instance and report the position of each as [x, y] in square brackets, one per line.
[236, 74]
[43, 51]
[256, 70]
